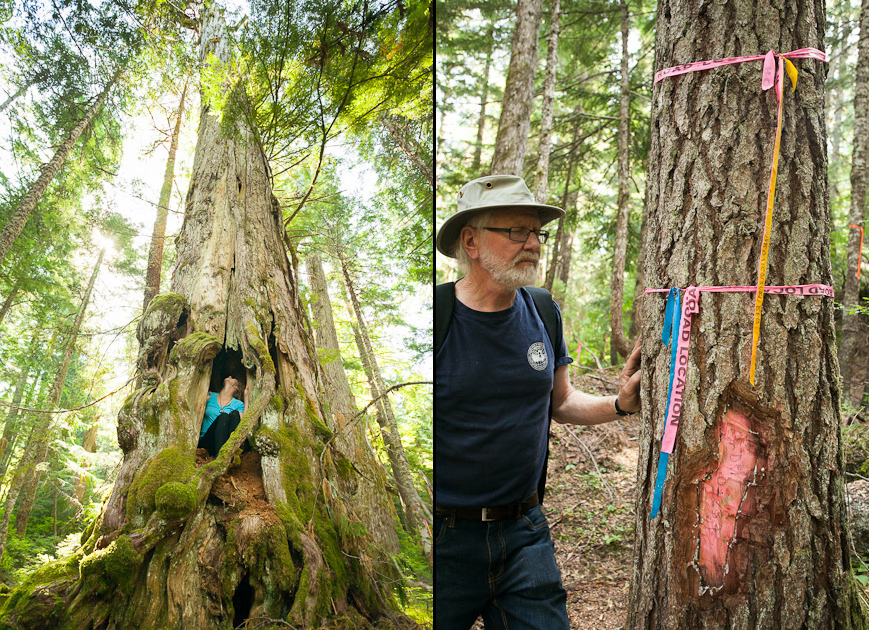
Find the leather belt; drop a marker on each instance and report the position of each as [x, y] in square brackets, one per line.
[498, 513]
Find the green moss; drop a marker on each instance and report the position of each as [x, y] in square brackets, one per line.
[87, 531]
[196, 348]
[46, 610]
[256, 342]
[175, 500]
[343, 465]
[115, 566]
[170, 464]
[169, 303]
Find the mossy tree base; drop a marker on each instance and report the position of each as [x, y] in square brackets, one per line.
[174, 547]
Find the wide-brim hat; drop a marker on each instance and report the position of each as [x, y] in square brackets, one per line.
[490, 193]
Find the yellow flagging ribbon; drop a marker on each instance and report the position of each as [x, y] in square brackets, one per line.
[774, 67]
[768, 82]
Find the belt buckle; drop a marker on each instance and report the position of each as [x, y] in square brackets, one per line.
[486, 516]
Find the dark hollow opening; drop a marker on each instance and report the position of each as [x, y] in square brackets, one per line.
[228, 363]
[242, 601]
[273, 352]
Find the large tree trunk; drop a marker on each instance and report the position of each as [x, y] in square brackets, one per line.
[511, 143]
[10, 425]
[26, 479]
[351, 434]
[417, 514]
[852, 327]
[617, 283]
[541, 181]
[158, 236]
[752, 532]
[484, 101]
[20, 215]
[180, 543]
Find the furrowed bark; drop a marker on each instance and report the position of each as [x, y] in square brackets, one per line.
[515, 121]
[752, 532]
[541, 181]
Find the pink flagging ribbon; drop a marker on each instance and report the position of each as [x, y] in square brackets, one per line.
[768, 70]
[691, 305]
[774, 66]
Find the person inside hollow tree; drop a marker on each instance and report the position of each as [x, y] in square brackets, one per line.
[223, 412]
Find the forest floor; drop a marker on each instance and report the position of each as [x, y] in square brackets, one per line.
[590, 506]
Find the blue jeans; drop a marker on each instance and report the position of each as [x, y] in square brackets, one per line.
[502, 570]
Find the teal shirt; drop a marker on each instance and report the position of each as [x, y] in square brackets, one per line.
[212, 410]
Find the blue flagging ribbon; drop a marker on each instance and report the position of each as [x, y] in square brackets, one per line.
[669, 336]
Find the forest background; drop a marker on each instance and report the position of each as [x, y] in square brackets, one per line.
[586, 151]
[109, 93]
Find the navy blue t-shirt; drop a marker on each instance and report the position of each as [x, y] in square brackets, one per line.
[493, 380]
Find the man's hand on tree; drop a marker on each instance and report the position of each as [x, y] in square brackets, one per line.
[629, 393]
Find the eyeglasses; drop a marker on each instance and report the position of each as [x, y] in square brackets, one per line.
[520, 234]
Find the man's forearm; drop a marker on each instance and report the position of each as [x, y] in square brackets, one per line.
[582, 408]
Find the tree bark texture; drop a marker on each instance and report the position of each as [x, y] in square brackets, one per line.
[19, 216]
[617, 283]
[541, 182]
[176, 545]
[351, 435]
[511, 143]
[484, 102]
[10, 424]
[417, 514]
[158, 236]
[752, 530]
[26, 479]
[852, 326]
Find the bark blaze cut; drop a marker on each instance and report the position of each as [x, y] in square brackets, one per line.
[185, 541]
[752, 528]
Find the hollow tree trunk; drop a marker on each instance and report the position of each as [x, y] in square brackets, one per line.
[20, 215]
[26, 479]
[158, 236]
[617, 283]
[176, 545]
[484, 102]
[351, 435]
[515, 121]
[417, 514]
[541, 181]
[852, 327]
[752, 529]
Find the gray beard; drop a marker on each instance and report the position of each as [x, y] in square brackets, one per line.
[507, 273]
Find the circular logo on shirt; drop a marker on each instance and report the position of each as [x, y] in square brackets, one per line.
[537, 356]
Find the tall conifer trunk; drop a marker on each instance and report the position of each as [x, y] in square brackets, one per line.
[752, 532]
[26, 478]
[852, 326]
[511, 143]
[158, 236]
[19, 216]
[176, 546]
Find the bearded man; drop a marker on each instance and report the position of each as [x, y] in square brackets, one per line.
[500, 374]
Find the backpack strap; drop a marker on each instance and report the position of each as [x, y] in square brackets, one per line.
[445, 297]
[546, 309]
